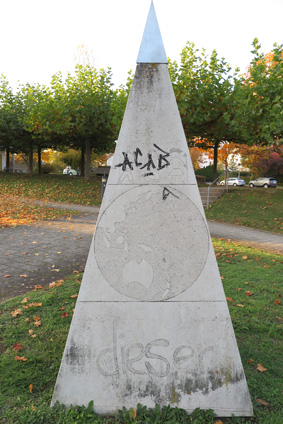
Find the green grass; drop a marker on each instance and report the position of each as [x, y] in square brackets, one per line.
[257, 323]
[258, 208]
[56, 188]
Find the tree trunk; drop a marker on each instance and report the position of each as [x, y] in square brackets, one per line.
[30, 156]
[87, 159]
[8, 159]
[39, 160]
[215, 157]
[83, 162]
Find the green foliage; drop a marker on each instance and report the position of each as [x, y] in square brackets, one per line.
[207, 172]
[203, 87]
[259, 98]
[47, 168]
[71, 158]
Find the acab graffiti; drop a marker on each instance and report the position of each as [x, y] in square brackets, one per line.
[149, 164]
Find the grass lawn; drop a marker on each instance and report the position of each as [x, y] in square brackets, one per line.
[33, 331]
[258, 208]
[56, 188]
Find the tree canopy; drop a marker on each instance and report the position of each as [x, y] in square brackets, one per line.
[203, 87]
[84, 112]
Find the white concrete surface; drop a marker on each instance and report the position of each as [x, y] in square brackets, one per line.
[151, 323]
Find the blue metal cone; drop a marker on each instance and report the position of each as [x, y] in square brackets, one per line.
[152, 49]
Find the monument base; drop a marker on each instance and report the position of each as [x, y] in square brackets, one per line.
[153, 353]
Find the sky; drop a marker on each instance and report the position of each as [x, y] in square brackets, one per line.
[39, 38]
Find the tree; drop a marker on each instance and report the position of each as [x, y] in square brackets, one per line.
[259, 98]
[226, 153]
[262, 160]
[83, 111]
[203, 87]
[13, 135]
[35, 100]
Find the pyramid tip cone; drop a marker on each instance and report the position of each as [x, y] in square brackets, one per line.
[152, 48]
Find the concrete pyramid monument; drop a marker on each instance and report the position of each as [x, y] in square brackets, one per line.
[151, 324]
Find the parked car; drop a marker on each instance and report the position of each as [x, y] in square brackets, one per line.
[263, 182]
[234, 182]
[69, 171]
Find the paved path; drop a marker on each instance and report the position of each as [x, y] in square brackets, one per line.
[46, 251]
[246, 236]
[43, 252]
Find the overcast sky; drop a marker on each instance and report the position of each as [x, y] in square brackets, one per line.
[40, 37]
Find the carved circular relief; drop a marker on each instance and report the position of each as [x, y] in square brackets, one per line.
[151, 243]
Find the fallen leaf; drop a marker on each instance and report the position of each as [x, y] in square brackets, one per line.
[51, 285]
[17, 346]
[55, 270]
[261, 368]
[33, 408]
[229, 299]
[246, 282]
[24, 275]
[239, 289]
[38, 287]
[250, 361]
[244, 257]
[134, 413]
[262, 401]
[248, 293]
[277, 302]
[36, 254]
[37, 323]
[24, 253]
[74, 296]
[64, 315]
[30, 332]
[30, 388]
[59, 253]
[62, 309]
[58, 284]
[35, 304]
[20, 358]
[36, 318]
[7, 275]
[218, 422]
[25, 300]
[33, 336]
[75, 272]
[34, 242]
[16, 313]
[240, 305]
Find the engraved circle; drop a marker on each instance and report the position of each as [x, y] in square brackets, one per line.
[151, 243]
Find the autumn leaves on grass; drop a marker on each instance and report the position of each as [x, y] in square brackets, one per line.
[14, 212]
[35, 321]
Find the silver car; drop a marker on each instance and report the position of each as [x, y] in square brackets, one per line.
[234, 182]
[263, 182]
